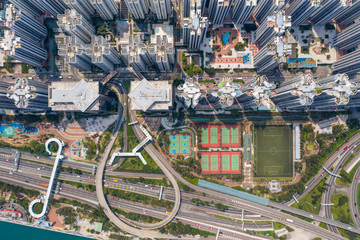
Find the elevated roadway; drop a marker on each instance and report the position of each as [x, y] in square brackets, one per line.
[354, 208]
[100, 193]
[270, 212]
[341, 154]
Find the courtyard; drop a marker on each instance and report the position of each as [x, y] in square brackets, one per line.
[229, 48]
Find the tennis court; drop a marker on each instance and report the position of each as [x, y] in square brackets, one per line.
[214, 162]
[225, 136]
[273, 151]
[214, 135]
[220, 162]
[180, 144]
[230, 163]
[230, 135]
[204, 162]
[205, 135]
[225, 162]
[210, 136]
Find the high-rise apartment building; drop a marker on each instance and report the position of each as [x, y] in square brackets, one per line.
[271, 56]
[194, 25]
[189, 93]
[73, 51]
[28, 7]
[243, 10]
[23, 50]
[25, 26]
[107, 9]
[23, 95]
[218, 10]
[329, 9]
[162, 53]
[81, 6]
[349, 63]
[102, 54]
[138, 8]
[75, 24]
[297, 94]
[266, 7]
[274, 25]
[348, 16]
[301, 10]
[256, 94]
[54, 7]
[136, 54]
[162, 8]
[348, 37]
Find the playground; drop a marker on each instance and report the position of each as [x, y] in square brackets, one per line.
[221, 162]
[273, 151]
[180, 144]
[15, 129]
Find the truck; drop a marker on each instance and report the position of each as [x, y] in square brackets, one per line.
[44, 184]
[115, 180]
[289, 220]
[168, 212]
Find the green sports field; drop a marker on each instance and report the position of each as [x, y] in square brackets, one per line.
[273, 151]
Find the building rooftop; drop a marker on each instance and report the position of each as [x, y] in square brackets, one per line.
[98, 48]
[71, 47]
[73, 95]
[163, 30]
[70, 19]
[21, 92]
[305, 89]
[190, 91]
[154, 95]
[161, 48]
[342, 88]
[133, 49]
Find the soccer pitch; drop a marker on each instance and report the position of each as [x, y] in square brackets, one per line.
[273, 151]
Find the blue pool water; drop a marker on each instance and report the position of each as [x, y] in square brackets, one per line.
[225, 37]
[246, 59]
[32, 130]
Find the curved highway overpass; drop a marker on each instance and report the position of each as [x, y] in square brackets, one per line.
[100, 192]
[272, 211]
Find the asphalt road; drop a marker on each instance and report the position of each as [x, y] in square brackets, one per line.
[354, 209]
[100, 193]
[271, 212]
[334, 158]
[206, 223]
[337, 166]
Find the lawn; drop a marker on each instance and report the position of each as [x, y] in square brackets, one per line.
[340, 209]
[310, 147]
[134, 164]
[311, 201]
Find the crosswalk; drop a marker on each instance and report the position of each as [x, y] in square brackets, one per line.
[121, 187]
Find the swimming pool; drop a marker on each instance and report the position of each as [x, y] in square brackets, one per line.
[246, 59]
[13, 129]
[225, 38]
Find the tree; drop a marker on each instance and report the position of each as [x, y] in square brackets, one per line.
[53, 147]
[210, 70]
[102, 30]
